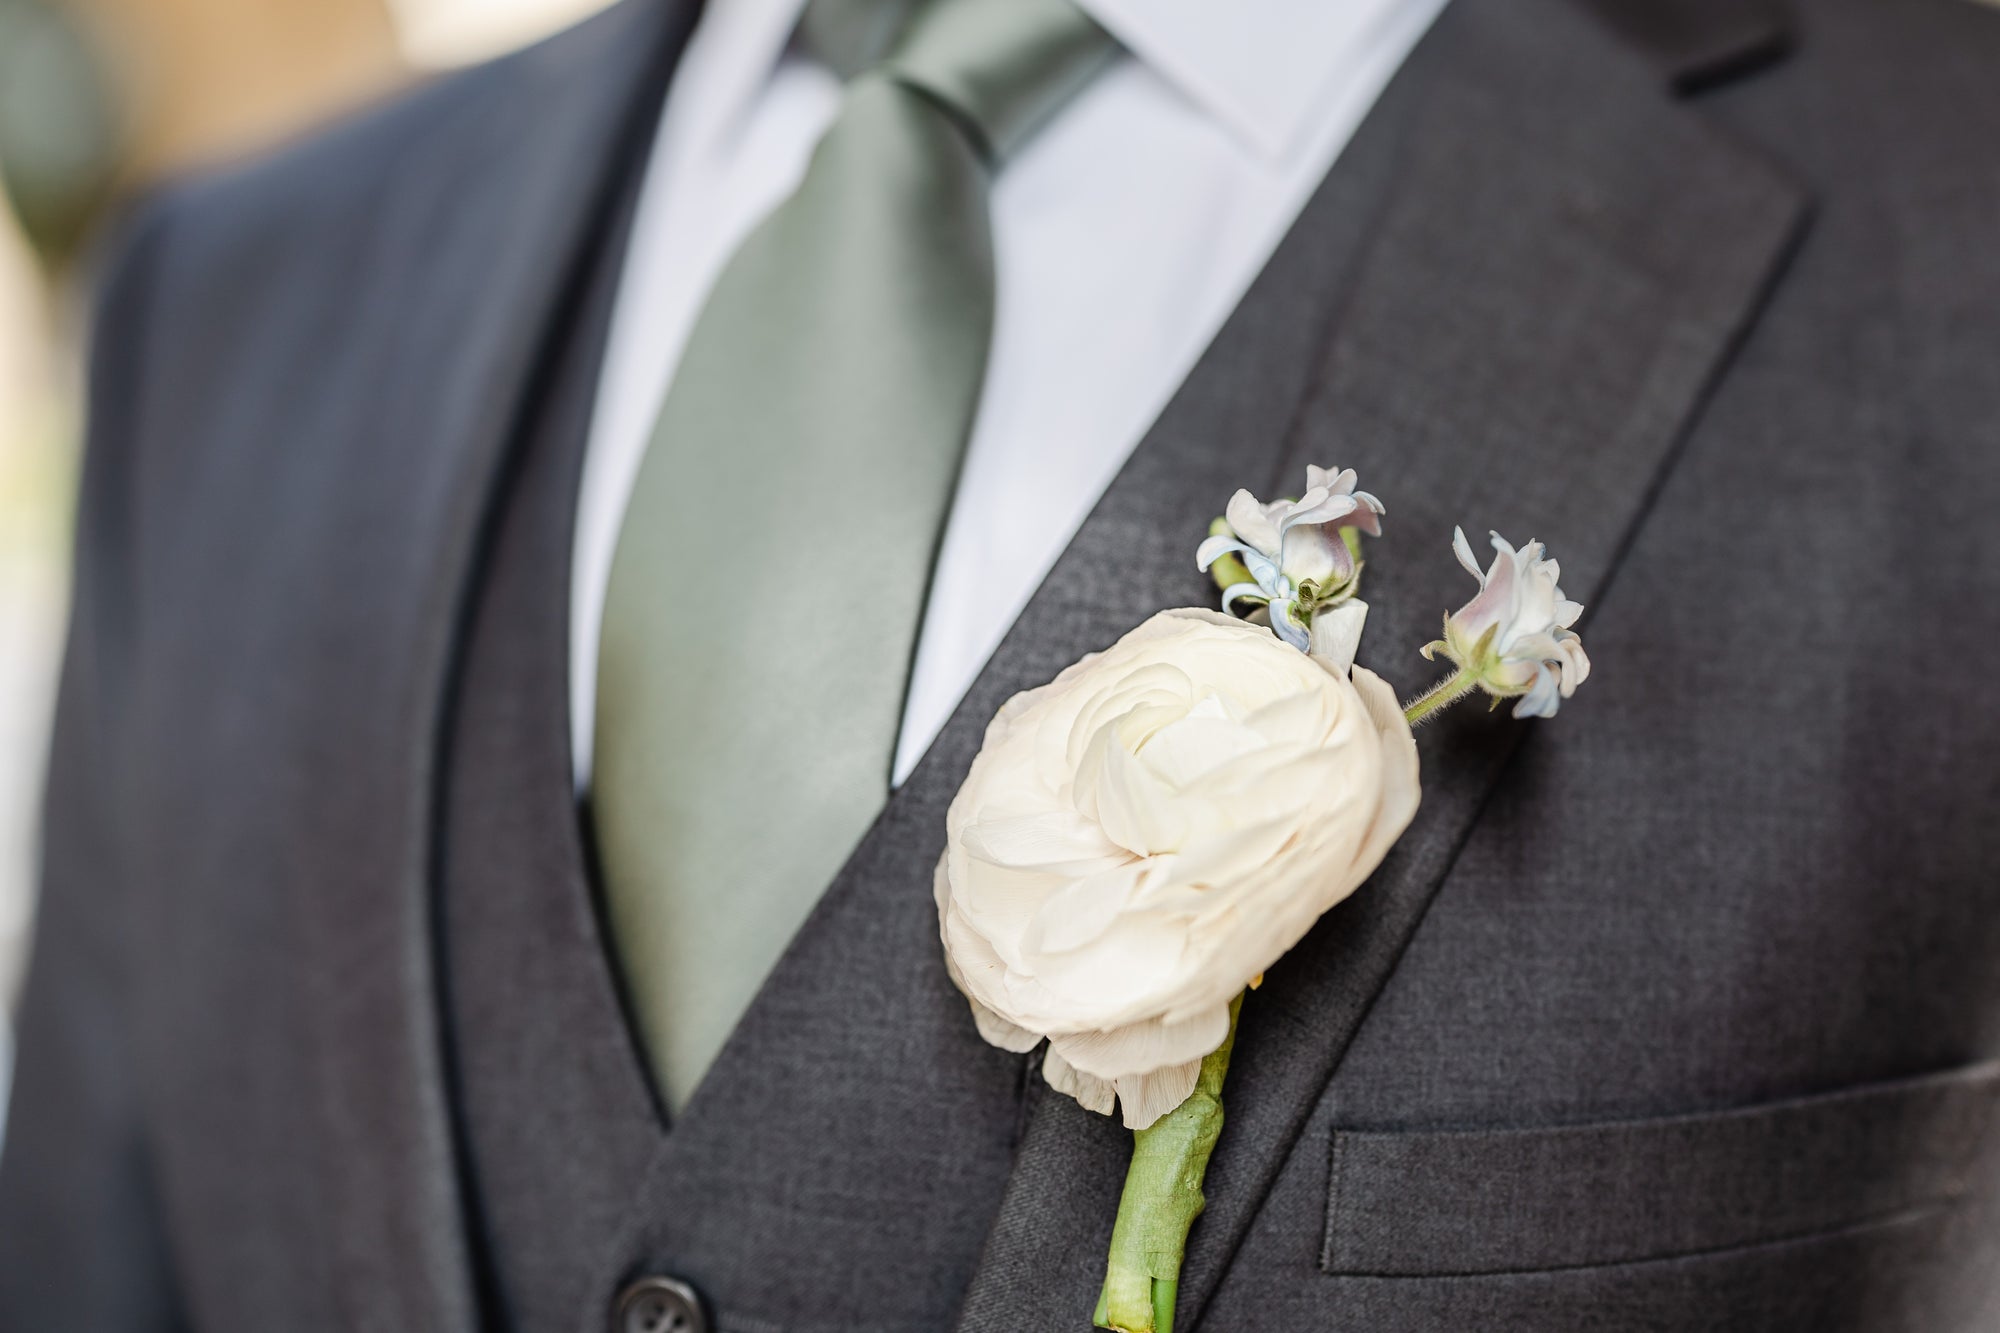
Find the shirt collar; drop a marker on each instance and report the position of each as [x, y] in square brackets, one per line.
[1261, 67]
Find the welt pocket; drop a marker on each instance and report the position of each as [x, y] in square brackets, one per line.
[1467, 1202]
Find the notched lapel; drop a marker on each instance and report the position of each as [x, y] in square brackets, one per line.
[1564, 264]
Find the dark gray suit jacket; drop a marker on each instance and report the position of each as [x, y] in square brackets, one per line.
[1679, 1012]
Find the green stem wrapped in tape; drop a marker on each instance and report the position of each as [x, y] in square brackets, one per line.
[1161, 1201]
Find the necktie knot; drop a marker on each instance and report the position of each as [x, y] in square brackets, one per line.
[999, 67]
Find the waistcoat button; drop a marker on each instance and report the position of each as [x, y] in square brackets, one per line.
[659, 1305]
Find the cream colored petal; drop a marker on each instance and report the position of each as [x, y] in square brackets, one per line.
[1144, 1098]
[1091, 1092]
[962, 948]
[1139, 966]
[1053, 840]
[1182, 751]
[1402, 789]
[1140, 1048]
[1083, 909]
[1287, 718]
[999, 1032]
[1220, 861]
[999, 904]
[1135, 808]
[993, 1029]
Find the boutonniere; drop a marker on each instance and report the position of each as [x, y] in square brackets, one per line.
[1141, 838]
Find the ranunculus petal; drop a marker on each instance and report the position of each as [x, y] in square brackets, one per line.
[1091, 1092]
[1053, 840]
[1402, 789]
[997, 1031]
[1083, 909]
[1157, 692]
[1144, 1098]
[999, 902]
[1209, 864]
[1135, 807]
[1139, 1047]
[1179, 753]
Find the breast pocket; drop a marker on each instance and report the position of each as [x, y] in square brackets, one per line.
[1455, 1203]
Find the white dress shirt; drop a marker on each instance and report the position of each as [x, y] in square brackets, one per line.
[1125, 231]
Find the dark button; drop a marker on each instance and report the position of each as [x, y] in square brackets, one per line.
[659, 1305]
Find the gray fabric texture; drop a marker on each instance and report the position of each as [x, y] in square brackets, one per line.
[1735, 358]
[81, 1232]
[1459, 1202]
[554, 1100]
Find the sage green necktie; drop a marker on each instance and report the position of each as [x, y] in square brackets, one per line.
[772, 568]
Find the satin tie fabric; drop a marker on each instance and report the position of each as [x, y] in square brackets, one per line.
[771, 570]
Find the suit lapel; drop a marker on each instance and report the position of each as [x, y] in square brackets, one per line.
[1563, 262]
[494, 216]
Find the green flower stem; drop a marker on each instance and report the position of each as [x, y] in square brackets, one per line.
[1440, 696]
[1161, 1201]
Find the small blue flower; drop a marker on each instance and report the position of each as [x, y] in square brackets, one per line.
[1292, 555]
[1514, 638]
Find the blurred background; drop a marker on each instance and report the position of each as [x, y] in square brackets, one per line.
[98, 99]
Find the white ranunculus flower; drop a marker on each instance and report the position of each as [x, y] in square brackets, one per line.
[1515, 637]
[1143, 835]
